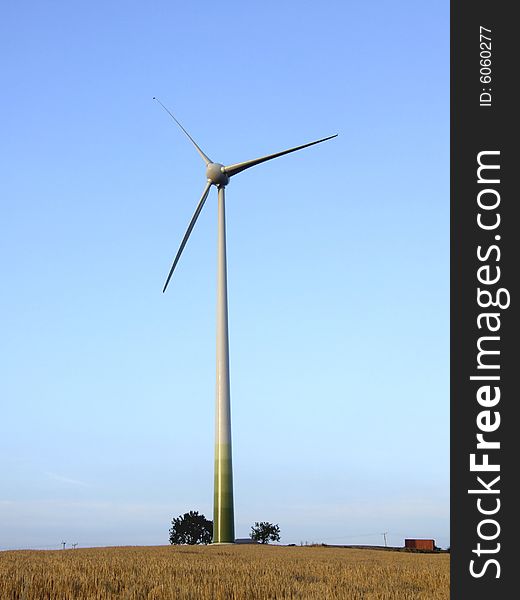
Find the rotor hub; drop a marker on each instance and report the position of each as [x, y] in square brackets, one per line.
[216, 174]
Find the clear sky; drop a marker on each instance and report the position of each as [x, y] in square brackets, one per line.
[338, 266]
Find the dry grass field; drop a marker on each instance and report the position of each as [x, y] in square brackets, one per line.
[222, 573]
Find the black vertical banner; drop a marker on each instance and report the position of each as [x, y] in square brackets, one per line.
[485, 267]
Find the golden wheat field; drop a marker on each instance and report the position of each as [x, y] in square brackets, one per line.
[243, 572]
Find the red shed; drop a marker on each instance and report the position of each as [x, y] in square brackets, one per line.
[413, 544]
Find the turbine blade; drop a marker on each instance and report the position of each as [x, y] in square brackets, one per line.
[238, 167]
[204, 157]
[188, 232]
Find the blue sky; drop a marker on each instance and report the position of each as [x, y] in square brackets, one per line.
[338, 265]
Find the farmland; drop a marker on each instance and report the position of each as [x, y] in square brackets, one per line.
[221, 573]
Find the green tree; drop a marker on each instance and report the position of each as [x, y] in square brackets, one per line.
[191, 528]
[265, 532]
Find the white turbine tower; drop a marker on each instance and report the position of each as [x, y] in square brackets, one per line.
[219, 176]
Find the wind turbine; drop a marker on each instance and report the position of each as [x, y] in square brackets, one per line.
[219, 175]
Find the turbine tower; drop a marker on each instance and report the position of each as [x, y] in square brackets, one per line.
[219, 175]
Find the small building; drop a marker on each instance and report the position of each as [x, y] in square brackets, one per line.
[245, 541]
[414, 544]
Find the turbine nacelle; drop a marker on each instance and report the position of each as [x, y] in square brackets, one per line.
[216, 174]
